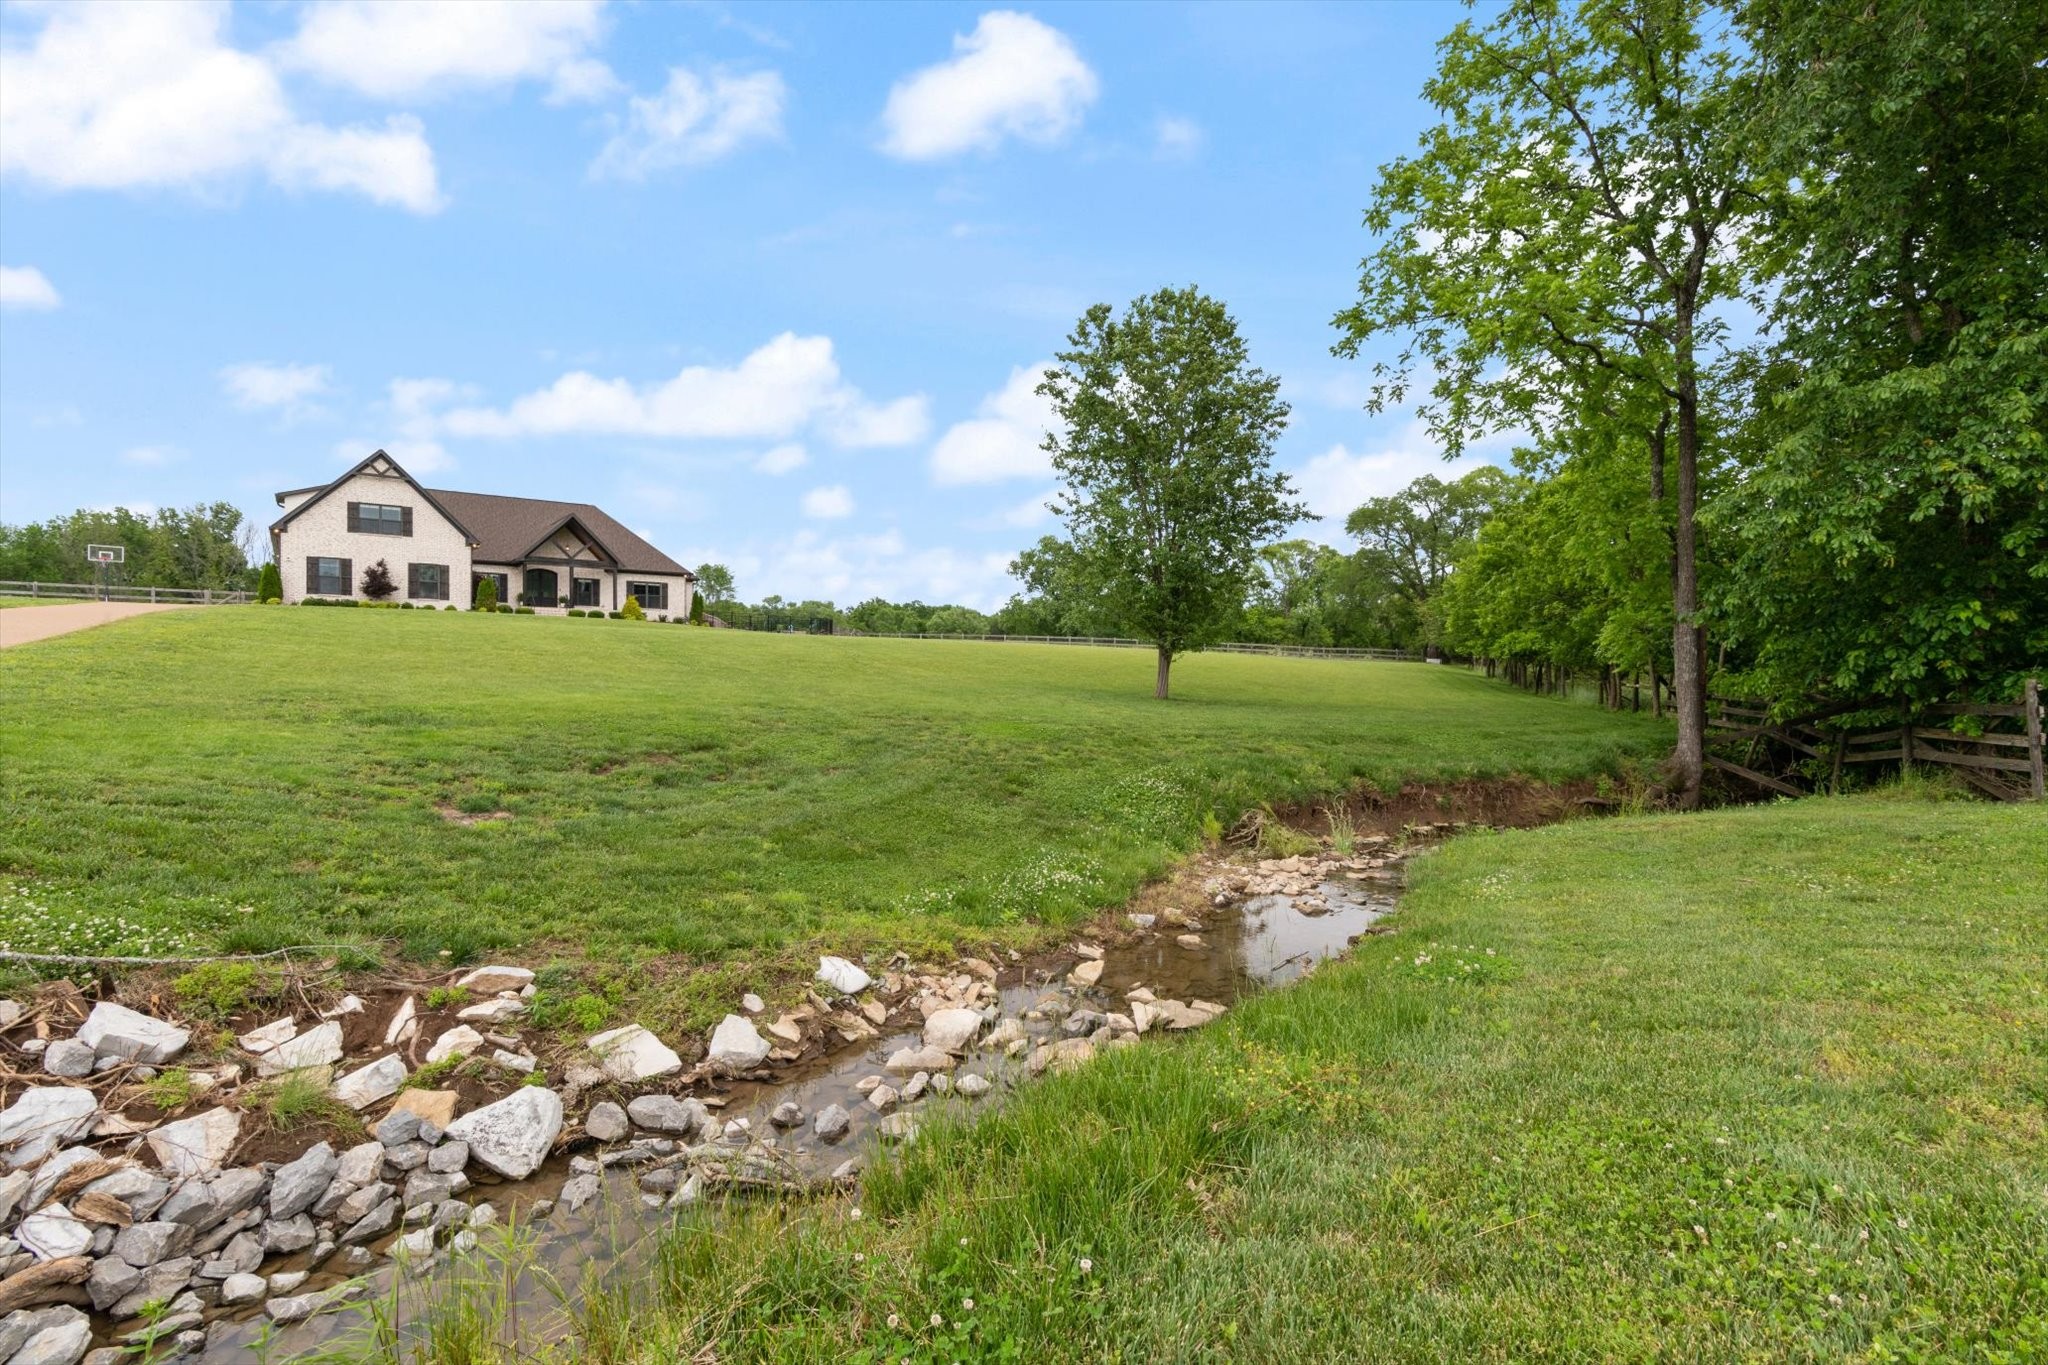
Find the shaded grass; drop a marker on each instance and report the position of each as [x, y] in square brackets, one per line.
[264, 777]
[1759, 1085]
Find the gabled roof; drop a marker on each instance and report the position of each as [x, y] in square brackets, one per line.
[509, 529]
[387, 465]
[502, 530]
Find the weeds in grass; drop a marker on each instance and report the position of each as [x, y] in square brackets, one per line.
[1277, 839]
[1343, 834]
[299, 1099]
[220, 990]
[446, 997]
[433, 1073]
[169, 1090]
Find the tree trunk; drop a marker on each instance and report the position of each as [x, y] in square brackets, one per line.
[1688, 673]
[1165, 666]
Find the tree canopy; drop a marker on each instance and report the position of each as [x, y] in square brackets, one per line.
[1166, 458]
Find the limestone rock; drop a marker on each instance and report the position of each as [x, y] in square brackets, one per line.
[404, 1023]
[845, 977]
[606, 1122]
[1087, 973]
[113, 1030]
[752, 1003]
[831, 1123]
[69, 1058]
[952, 1030]
[51, 1233]
[460, 1041]
[632, 1054]
[491, 980]
[512, 1136]
[317, 1046]
[55, 1336]
[580, 1190]
[787, 1029]
[196, 1145]
[667, 1114]
[242, 1289]
[736, 1045]
[298, 1183]
[269, 1036]
[972, 1085]
[492, 1011]
[906, 1061]
[433, 1106]
[788, 1114]
[366, 1085]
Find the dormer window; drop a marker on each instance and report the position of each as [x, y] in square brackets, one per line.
[379, 519]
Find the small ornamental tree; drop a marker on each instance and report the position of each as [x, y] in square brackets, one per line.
[696, 609]
[377, 584]
[632, 610]
[269, 584]
[487, 594]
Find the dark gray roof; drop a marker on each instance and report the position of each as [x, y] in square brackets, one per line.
[503, 530]
[507, 528]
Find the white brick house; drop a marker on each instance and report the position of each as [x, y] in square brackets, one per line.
[439, 544]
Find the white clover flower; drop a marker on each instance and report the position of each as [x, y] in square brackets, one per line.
[967, 1305]
[894, 1321]
[1086, 1265]
[938, 1321]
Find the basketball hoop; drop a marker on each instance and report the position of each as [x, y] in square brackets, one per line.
[106, 554]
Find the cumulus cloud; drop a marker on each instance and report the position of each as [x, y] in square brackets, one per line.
[1013, 77]
[1176, 139]
[693, 120]
[24, 286]
[406, 50]
[1003, 441]
[789, 384]
[1335, 482]
[144, 95]
[830, 503]
[255, 385]
[782, 459]
[587, 81]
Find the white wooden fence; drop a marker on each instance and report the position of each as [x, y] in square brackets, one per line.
[121, 592]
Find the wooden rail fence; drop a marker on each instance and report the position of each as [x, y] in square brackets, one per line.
[121, 592]
[1997, 748]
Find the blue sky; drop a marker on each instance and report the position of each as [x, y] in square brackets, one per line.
[768, 283]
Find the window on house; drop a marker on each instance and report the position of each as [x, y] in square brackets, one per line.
[585, 594]
[379, 519]
[427, 582]
[541, 589]
[327, 577]
[653, 596]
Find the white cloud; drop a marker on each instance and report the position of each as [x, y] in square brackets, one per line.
[256, 385]
[692, 121]
[151, 456]
[851, 569]
[829, 503]
[404, 49]
[1012, 77]
[1033, 512]
[786, 385]
[782, 459]
[1334, 483]
[24, 286]
[1003, 441]
[587, 81]
[145, 95]
[1176, 139]
[899, 423]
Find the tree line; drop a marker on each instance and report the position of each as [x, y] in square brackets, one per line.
[207, 545]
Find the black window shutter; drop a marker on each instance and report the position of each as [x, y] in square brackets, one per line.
[405, 521]
[355, 516]
[312, 574]
[412, 580]
[348, 577]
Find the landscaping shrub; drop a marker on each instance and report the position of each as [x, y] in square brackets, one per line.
[615, 615]
[632, 611]
[575, 611]
[270, 584]
[410, 606]
[526, 611]
[696, 610]
[486, 594]
[377, 583]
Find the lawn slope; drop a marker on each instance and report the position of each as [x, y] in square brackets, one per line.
[259, 776]
[1757, 1085]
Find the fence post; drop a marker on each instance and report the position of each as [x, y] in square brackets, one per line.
[2035, 757]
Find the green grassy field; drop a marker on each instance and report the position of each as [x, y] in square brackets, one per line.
[246, 778]
[1758, 1085]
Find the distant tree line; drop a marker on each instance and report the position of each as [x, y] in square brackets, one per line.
[207, 545]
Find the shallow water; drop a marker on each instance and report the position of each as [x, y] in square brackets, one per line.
[1265, 942]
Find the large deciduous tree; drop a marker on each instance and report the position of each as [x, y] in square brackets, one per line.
[1890, 537]
[714, 582]
[1555, 251]
[1166, 452]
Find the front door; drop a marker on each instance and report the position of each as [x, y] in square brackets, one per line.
[541, 590]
